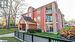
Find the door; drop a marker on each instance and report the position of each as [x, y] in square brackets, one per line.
[50, 28]
[23, 27]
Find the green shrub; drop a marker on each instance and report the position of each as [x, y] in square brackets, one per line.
[33, 21]
[38, 30]
[12, 24]
[31, 30]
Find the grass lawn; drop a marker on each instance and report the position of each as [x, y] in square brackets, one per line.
[6, 31]
[10, 39]
[51, 35]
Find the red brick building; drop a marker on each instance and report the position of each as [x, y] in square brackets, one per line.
[48, 18]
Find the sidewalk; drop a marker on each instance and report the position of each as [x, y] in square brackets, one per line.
[10, 35]
[7, 35]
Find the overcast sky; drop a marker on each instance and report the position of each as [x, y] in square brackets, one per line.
[67, 7]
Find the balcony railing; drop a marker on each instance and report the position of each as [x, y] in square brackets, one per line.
[49, 22]
[49, 18]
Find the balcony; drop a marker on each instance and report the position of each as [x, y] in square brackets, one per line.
[49, 19]
[49, 23]
[49, 11]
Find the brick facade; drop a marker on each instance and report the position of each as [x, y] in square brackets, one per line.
[47, 18]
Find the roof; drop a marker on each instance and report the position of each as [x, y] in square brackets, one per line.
[41, 6]
[29, 19]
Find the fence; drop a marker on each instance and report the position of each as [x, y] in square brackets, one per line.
[35, 38]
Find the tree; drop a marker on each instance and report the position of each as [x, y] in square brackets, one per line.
[11, 10]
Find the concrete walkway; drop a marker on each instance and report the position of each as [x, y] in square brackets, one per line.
[7, 35]
[10, 35]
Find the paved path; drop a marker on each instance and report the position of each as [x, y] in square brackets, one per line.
[7, 35]
[10, 35]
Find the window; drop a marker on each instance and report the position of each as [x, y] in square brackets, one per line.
[50, 28]
[48, 18]
[38, 18]
[38, 26]
[48, 10]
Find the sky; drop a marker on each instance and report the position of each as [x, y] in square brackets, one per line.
[67, 7]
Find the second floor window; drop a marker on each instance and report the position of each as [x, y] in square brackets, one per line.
[38, 18]
[48, 10]
[48, 18]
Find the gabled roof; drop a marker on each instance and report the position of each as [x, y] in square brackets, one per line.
[29, 19]
[41, 6]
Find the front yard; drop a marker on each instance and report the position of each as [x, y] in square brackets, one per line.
[40, 37]
[6, 31]
[50, 35]
[10, 39]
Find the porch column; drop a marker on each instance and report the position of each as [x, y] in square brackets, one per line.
[19, 26]
[27, 27]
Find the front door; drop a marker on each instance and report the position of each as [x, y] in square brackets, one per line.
[50, 28]
[23, 27]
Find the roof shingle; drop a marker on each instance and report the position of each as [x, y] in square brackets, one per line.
[29, 19]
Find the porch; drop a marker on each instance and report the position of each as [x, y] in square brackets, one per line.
[26, 26]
